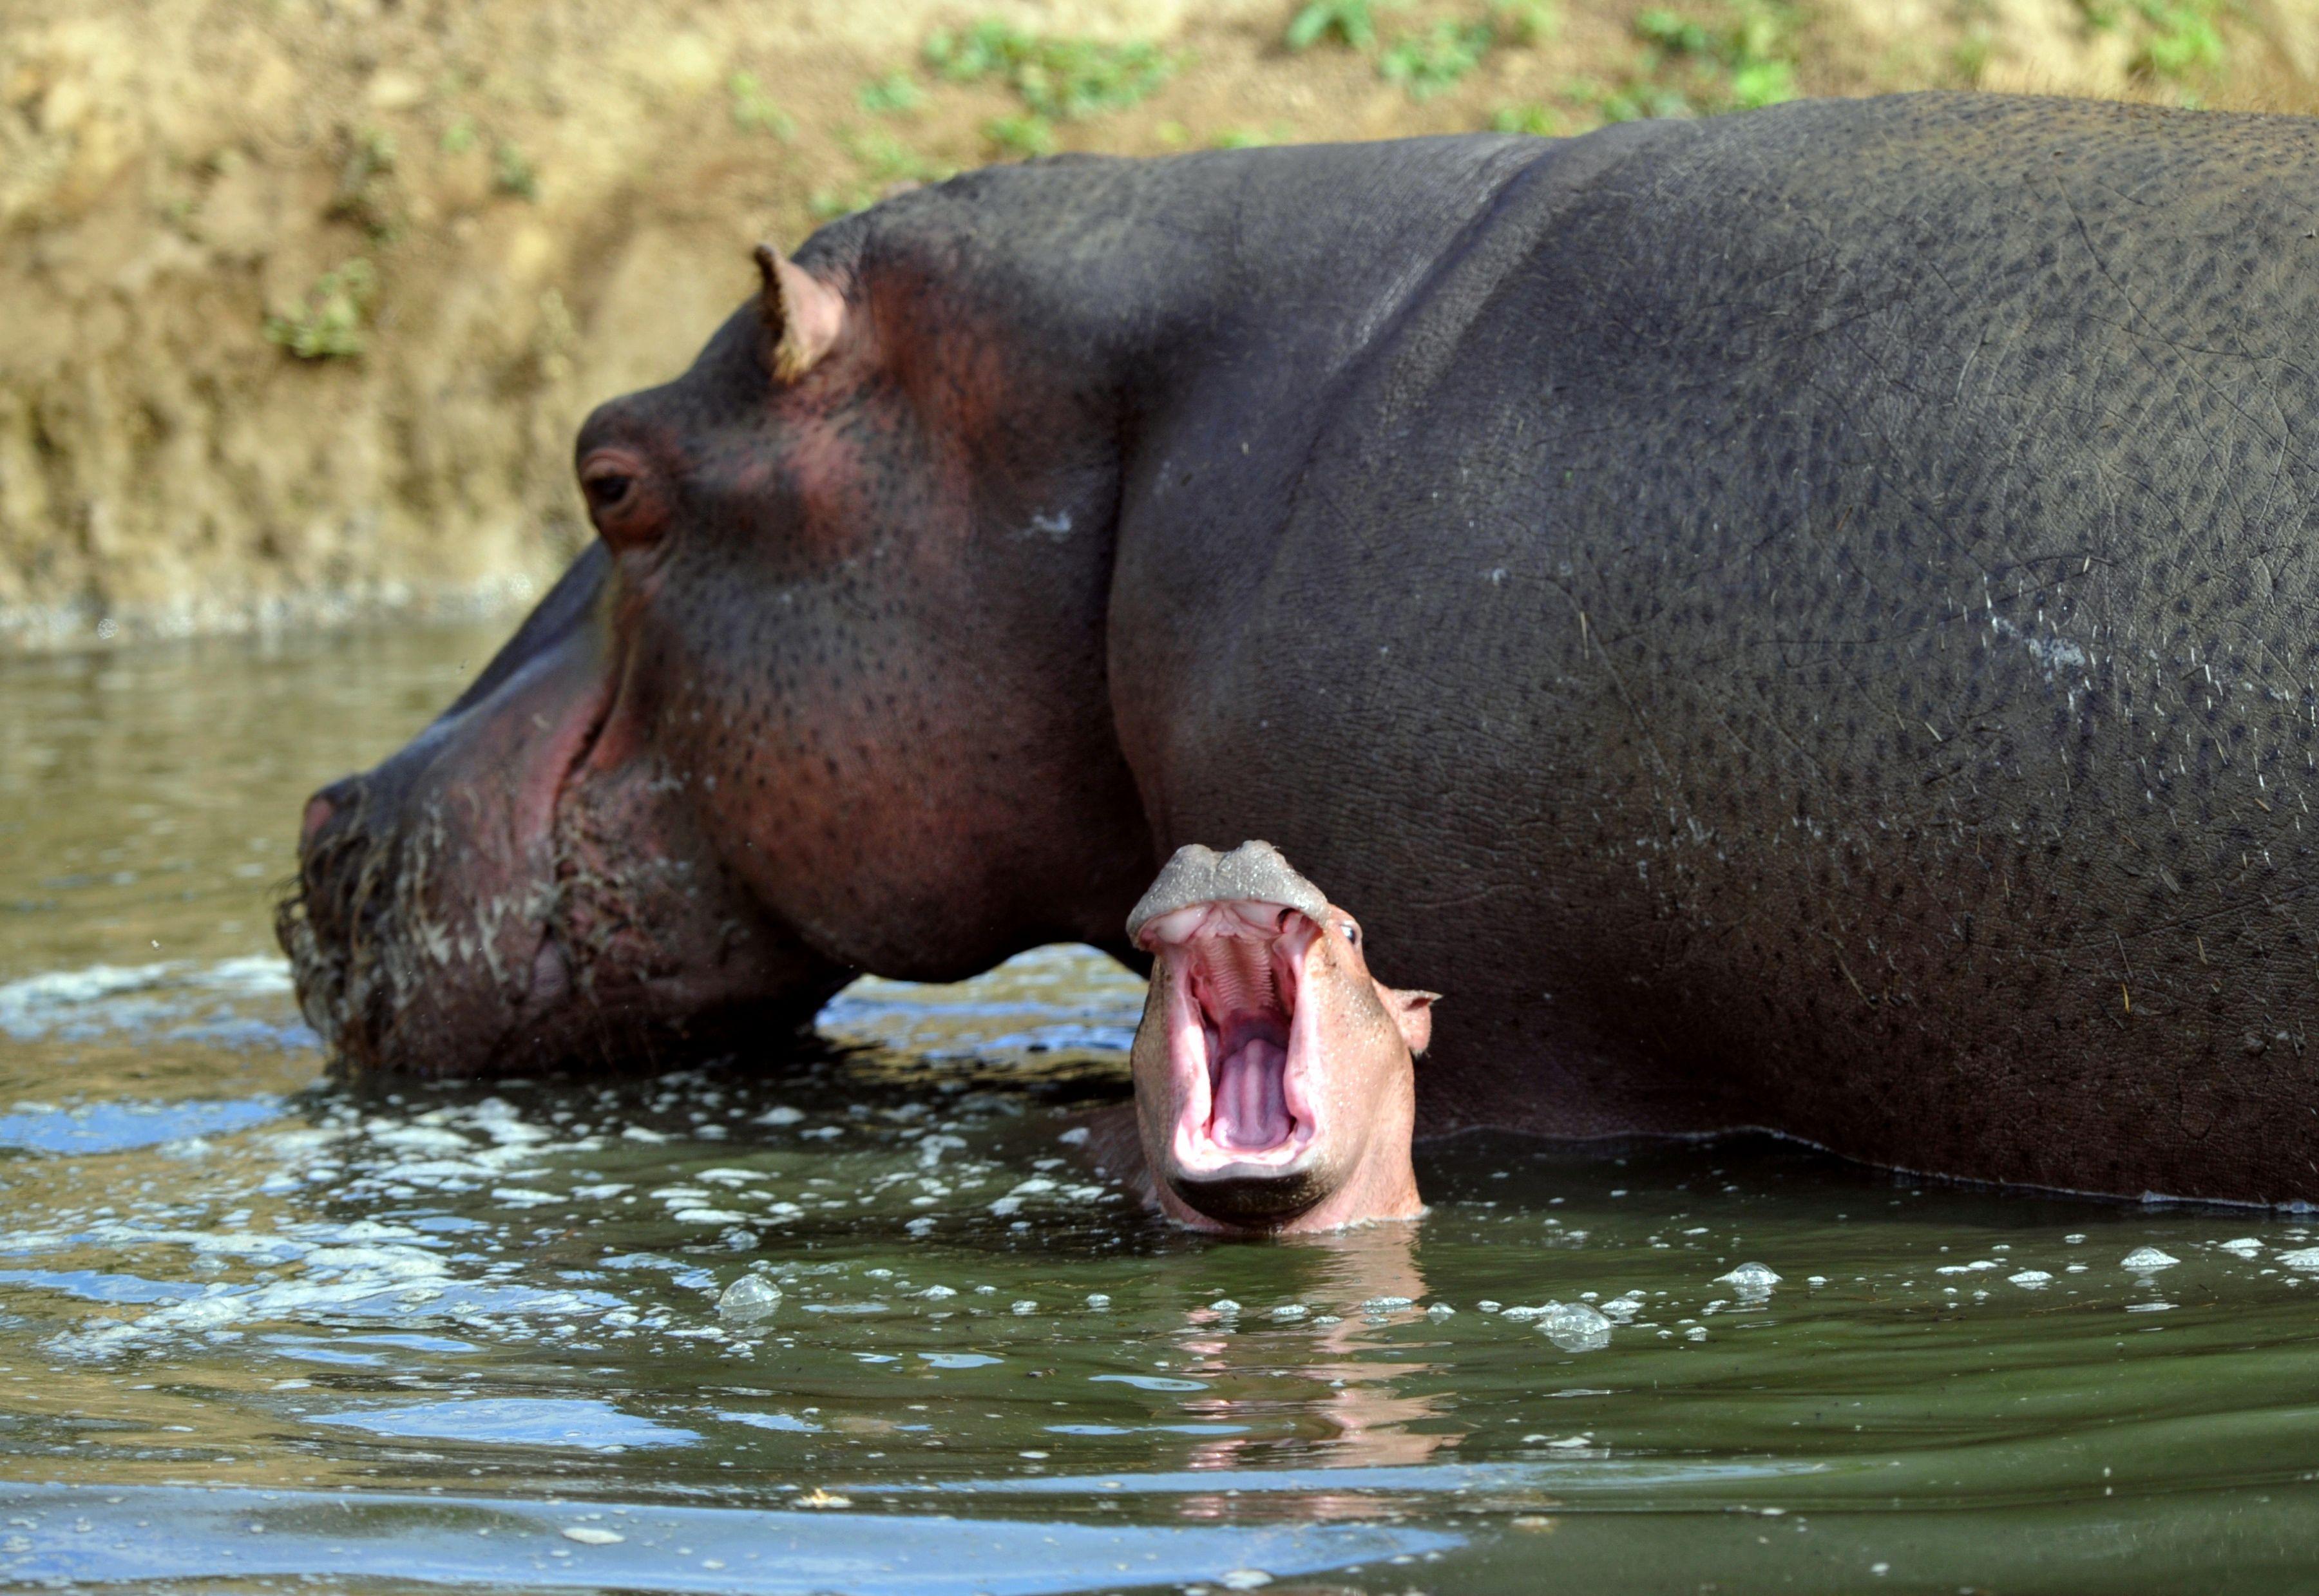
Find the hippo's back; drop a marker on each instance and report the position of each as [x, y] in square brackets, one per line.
[1821, 611]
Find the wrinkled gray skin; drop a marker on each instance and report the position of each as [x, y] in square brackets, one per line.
[1801, 619]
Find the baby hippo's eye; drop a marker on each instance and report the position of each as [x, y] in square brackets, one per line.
[1352, 932]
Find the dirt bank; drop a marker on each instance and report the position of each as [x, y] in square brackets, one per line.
[304, 301]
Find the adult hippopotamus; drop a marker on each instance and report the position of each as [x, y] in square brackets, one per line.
[1801, 619]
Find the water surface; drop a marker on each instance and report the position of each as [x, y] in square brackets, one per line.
[255, 1325]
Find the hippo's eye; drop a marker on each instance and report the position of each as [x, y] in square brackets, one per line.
[607, 490]
[1352, 932]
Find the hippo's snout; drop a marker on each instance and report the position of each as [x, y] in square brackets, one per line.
[506, 894]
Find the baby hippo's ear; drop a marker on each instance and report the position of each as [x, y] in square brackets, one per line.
[1413, 1011]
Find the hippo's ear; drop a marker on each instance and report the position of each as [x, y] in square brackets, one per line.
[803, 315]
[1413, 1011]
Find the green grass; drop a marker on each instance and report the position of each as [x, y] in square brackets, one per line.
[512, 173]
[754, 110]
[1026, 135]
[1544, 121]
[883, 161]
[1742, 61]
[890, 96]
[1059, 78]
[1526, 22]
[2180, 38]
[1437, 61]
[329, 322]
[365, 191]
[1351, 23]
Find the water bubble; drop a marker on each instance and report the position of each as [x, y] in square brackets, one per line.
[2302, 1257]
[1244, 1579]
[2142, 1260]
[2030, 1279]
[752, 1296]
[1098, 1300]
[1574, 1327]
[1438, 1311]
[2245, 1246]
[1750, 1279]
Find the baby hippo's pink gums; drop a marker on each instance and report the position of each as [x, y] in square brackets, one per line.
[1274, 1077]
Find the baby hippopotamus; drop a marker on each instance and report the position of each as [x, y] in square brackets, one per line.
[1274, 1077]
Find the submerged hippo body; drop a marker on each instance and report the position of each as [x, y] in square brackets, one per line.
[1274, 1074]
[1801, 619]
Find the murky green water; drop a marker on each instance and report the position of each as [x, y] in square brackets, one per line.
[255, 1326]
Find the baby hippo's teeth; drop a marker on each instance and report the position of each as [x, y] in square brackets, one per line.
[1263, 916]
[1179, 927]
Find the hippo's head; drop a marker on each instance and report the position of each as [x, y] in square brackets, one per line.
[827, 696]
[1275, 1080]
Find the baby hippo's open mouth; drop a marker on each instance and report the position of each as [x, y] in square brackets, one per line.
[1242, 1065]
[1273, 1073]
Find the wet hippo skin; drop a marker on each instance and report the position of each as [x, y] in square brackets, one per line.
[1801, 619]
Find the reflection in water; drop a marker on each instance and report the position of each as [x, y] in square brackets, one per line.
[422, 1332]
[1320, 1362]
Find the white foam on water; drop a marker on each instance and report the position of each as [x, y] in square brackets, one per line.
[109, 998]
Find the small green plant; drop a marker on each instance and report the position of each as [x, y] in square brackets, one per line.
[885, 162]
[461, 136]
[1676, 35]
[366, 195]
[1059, 78]
[1970, 59]
[752, 108]
[889, 95]
[1353, 22]
[1543, 121]
[1251, 138]
[1028, 135]
[1692, 68]
[1437, 61]
[1526, 22]
[329, 322]
[2181, 38]
[512, 172]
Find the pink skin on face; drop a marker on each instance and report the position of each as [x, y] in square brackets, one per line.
[1274, 1077]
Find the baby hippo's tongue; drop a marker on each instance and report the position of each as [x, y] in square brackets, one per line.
[1252, 1106]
